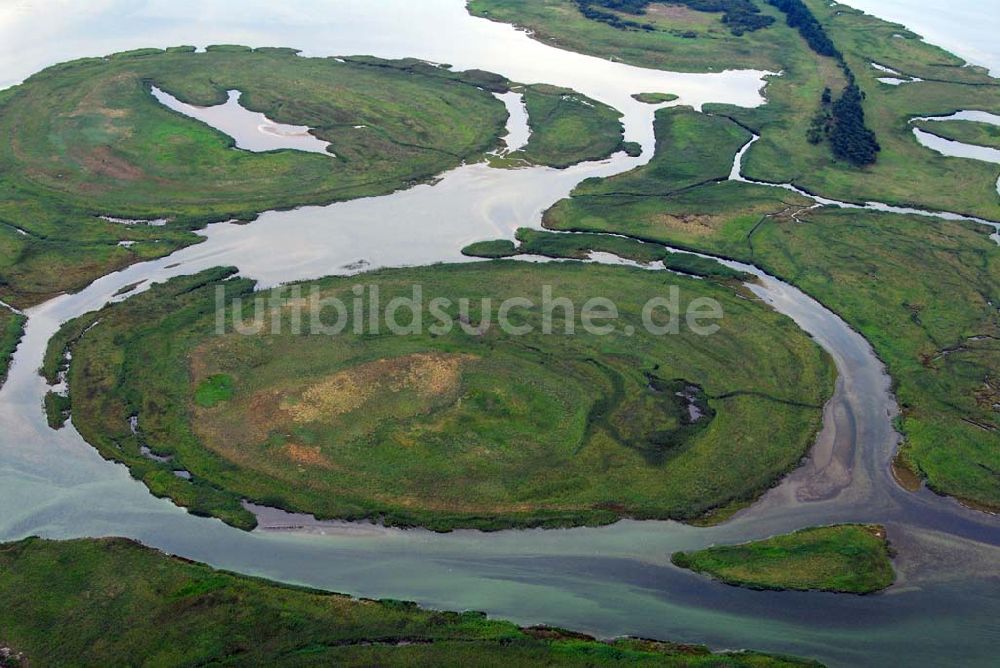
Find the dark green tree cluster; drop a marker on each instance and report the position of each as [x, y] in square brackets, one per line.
[801, 18]
[822, 122]
[850, 138]
[592, 9]
[843, 121]
[739, 15]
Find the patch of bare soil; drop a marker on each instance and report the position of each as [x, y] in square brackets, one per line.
[104, 162]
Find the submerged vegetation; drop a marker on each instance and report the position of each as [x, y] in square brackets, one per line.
[847, 558]
[60, 597]
[471, 427]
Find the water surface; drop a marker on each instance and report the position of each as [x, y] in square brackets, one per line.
[251, 130]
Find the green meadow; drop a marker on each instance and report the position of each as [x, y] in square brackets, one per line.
[114, 602]
[470, 427]
[567, 128]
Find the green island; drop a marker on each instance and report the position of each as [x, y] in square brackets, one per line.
[967, 132]
[919, 289]
[11, 329]
[97, 174]
[57, 409]
[61, 598]
[566, 246]
[567, 128]
[450, 429]
[655, 98]
[846, 558]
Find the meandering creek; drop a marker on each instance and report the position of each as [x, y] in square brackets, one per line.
[609, 580]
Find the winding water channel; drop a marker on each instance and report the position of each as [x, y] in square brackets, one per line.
[610, 580]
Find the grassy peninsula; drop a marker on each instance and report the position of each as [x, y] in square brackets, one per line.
[847, 558]
[580, 246]
[469, 428]
[11, 329]
[61, 599]
[87, 139]
[967, 132]
[682, 39]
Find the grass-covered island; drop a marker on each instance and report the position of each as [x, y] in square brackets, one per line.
[655, 98]
[96, 174]
[472, 427]
[567, 128]
[115, 602]
[847, 558]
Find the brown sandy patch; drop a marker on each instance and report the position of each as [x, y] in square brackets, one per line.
[106, 112]
[428, 374]
[692, 224]
[904, 475]
[301, 454]
[239, 433]
[679, 16]
[102, 161]
[668, 11]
